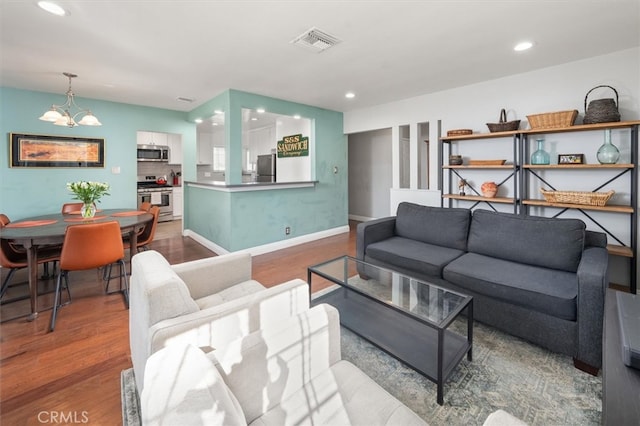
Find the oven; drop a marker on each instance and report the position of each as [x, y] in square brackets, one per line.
[160, 195]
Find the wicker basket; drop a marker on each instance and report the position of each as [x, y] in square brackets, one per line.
[553, 120]
[459, 132]
[503, 125]
[577, 197]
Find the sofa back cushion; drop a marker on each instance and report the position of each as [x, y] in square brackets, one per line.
[540, 241]
[434, 225]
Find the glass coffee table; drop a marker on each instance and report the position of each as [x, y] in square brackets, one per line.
[406, 317]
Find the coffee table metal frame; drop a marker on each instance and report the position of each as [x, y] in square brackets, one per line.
[427, 346]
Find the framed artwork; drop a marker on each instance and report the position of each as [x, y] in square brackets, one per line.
[55, 151]
[571, 159]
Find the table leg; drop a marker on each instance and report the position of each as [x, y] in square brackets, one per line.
[133, 244]
[32, 268]
[440, 380]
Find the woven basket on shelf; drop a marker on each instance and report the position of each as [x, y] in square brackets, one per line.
[553, 120]
[503, 125]
[577, 197]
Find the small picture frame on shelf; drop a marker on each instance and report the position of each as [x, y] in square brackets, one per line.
[571, 159]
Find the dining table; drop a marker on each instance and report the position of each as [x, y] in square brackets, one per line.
[46, 230]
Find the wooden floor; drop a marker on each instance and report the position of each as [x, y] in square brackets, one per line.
[73, 374]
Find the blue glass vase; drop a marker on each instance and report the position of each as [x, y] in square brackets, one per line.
[608, 153]
[540, 156]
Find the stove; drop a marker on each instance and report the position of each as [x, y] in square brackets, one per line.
[157, 194]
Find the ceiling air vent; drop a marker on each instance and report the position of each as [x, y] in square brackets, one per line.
[183, 99]
[315, 40]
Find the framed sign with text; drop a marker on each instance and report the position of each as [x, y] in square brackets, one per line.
[293, 146]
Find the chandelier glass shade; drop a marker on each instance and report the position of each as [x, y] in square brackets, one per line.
[62, 115]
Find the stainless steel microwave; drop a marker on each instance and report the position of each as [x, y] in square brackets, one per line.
[153, 153]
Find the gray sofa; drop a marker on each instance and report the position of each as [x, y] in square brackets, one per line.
[541, 279]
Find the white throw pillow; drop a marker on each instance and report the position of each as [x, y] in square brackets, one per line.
[183, 387]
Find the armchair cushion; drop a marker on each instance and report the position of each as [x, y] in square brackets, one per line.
[184, 387]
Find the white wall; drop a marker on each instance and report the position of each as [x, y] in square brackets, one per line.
[551, 89]
[369, 174]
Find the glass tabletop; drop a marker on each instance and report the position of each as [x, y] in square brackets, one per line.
[419, 298]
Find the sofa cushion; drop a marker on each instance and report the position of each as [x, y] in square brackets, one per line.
[405, 253]
[341, 395]
[166, 295]
[234, 292]
[540, 289]
[434, 225]
[183, 387]
[540, 241]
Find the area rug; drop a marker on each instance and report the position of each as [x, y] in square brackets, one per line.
[537, 386]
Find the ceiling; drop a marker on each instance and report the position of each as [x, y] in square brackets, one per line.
[150, 53]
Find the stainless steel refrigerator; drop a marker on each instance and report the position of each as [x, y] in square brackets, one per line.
[266, 168]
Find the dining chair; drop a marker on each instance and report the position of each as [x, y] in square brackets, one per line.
[145, 206]
[14, 258]
[90, 246]
[68, 208]
[148, 232]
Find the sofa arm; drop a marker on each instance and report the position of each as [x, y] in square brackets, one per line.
[218, 325]
[373, 231]
[593, 280]
[208, 276]
[265, 368]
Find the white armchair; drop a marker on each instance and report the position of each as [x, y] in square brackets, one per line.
[207, 302]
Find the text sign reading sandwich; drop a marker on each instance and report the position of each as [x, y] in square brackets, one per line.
[293, 146]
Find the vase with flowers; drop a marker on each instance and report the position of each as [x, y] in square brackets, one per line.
[89, 193]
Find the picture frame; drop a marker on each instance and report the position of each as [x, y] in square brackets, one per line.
[570, 158]
[28, 150]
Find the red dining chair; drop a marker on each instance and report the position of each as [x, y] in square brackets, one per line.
[145, 206]
[90, 246]
[14, 258]
[148, 232]
[68, 208]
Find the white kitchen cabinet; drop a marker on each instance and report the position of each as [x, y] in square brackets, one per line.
[152, 138]
[177, 202]
[174, 141]
[205, 148]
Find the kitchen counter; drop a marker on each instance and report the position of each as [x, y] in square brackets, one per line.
[248, 186]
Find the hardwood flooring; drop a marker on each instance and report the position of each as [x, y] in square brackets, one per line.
[73, 374]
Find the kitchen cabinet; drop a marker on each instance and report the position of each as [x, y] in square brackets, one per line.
[177, 202]
[174, 141]
[205, 148]
[525, 178]
[152, 138]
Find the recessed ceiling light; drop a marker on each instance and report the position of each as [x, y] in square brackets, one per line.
[254, 119]
[52, 8]
[523, 46]
[198, 120]
[260, 110]
[350, 95]
[217, 111]
[214, 124]
[297, 117]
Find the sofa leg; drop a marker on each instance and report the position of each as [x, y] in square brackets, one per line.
[581, 365]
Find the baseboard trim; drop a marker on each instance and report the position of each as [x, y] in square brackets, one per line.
[360, 218]
[268, 248]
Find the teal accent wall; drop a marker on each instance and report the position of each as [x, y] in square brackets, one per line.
[26, 192]
[240, 220]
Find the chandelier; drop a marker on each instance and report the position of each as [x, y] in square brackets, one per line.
[60, 115]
